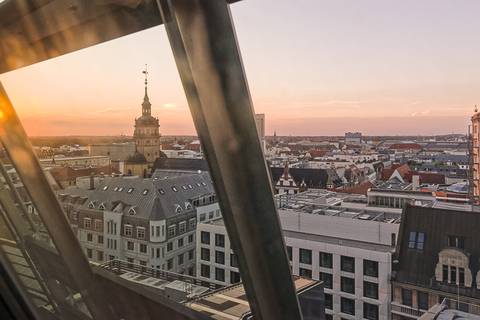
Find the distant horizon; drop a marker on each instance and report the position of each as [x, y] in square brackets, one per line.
[382, 68]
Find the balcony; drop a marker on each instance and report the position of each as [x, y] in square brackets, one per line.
[406, 311]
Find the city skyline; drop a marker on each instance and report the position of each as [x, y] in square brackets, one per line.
[382, 69]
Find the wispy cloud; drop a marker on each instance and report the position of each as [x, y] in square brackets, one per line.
[111, 110]
[420, 113]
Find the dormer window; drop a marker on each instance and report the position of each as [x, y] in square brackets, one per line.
[416, 240]
[456, 242]
[145, 192]
[184, 187]
[161, 191]
[174, 189]
[120, 189]
[178, 209]
[115, 189]
[101, 206]
[130, 190]
[132, 211]
[190, 186]
[91, 205]
[105, 188]
[204, 184]
[188, 206]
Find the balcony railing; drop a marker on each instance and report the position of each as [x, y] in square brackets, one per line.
[406, 310]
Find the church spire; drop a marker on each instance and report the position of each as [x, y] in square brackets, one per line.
[146, 105]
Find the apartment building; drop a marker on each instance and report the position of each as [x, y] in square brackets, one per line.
[150, 222]
[437, 261]
[345, 245]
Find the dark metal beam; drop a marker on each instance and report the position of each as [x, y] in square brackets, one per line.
[20, 151]
[204, 45]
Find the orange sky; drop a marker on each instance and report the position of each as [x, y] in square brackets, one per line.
[374, 67]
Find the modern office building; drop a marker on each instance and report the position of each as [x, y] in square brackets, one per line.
[345, 244]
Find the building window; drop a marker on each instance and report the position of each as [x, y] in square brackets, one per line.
[127, 229]
[307, 273]
[220, 257]
[370, 290]
[456, 242]
[445, 273]
[422, 298]
[87, 223]
[100, 255]
[233, 260]
[190, 254]
[169, 264]
[370, 311]
[182, 227]
[180, 259]
[347, 306]
[407, 297]
[205, 254]
[190, 238]
[370, 268]
[327, 279]
[205, 271]
[192, 223]
[203, 217]
[157, 231]
[461, 277]
[130, 245]
[234, 277]
[143, 248]
[180, 242]
[89, 237]
[89, 253]
[328, 301]
[100, 239]
[289, 253]
[98, 224]
[205, 237]
[347, 285]
[305, 256]
[169, 246]
[453, 275]
[220, 274]
[140, 233]
[416, 240]
[220, 240]
[347, 264]
[326, 260]
[171, 231]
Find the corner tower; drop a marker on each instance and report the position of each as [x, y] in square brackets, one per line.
[146, 133]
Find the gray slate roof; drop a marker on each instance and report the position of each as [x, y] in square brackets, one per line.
[147, 198]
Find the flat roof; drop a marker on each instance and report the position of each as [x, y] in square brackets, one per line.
[231, 302]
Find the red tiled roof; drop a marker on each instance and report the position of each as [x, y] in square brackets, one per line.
[361, 188]
[427, 177]
[406, 146]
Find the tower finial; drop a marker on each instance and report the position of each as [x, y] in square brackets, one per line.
[146, 106]
[145, 72]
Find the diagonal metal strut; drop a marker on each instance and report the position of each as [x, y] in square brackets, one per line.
[204, 45]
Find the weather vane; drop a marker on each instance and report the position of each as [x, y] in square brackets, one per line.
[145, 72]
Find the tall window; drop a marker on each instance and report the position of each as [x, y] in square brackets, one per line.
[289, 253]
[347, 264]
[171, 231]
[370, 290]
[453, 274]
[205, 254]
[327, 280]
[305, 256]
[205, 271]
[220, 257]
[307, 273]
[233, 260]
[140, 232]
[127, 230]
[370, 311]
[326, 260]
[234, 277]
[407, 297]
[143, 248]
[328, 301]
[347, 306]
[422, 298]
[220, 274]
[220, 240]
[347, 285]
[182, 227]
[130, 245]
[205, 237]
[370, 268]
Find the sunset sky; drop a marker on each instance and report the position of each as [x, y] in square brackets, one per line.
[314, 67]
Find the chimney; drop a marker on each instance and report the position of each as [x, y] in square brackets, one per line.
[92, 181]
[415, 182]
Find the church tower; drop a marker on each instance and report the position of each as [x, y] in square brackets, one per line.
[146, 134]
